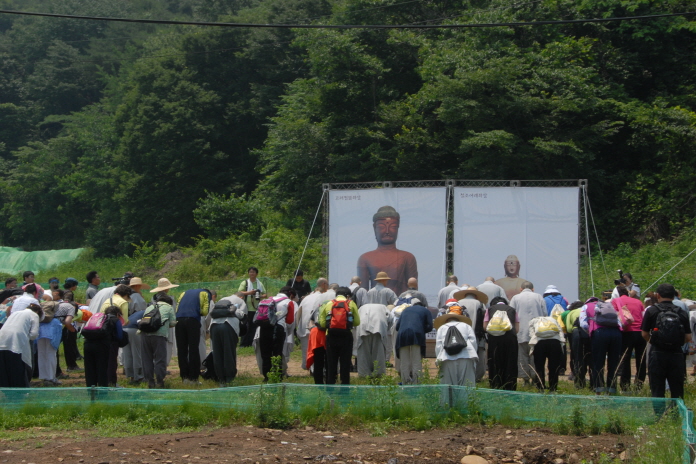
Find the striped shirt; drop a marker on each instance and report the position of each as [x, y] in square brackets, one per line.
[64, 310]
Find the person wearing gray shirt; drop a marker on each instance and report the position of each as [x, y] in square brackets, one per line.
[528, 305]
[93, 280]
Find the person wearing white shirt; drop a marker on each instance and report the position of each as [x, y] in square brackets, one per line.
[459, 368]
[306, 314]
[29, 297]
[15, 346]
[475, 302]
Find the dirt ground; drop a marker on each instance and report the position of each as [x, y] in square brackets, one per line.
[248, 444]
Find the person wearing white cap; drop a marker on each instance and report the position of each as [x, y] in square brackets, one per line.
[552, 297]
[163, 287]
[512, 282]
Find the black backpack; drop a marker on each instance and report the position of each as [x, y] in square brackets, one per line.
[668, 333]
[454, 341]
[225, 308]
[209, 372]
[151, 320]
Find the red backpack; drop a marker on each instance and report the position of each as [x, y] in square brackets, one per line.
[340, 318]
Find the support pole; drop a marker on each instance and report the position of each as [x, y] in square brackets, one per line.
[309, 235]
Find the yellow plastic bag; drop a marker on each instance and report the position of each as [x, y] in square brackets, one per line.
[499, 323]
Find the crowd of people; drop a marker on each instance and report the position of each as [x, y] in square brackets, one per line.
[477, 330]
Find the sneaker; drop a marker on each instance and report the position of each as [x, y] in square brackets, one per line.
[63, 376]
[75, 369]
[52, 383]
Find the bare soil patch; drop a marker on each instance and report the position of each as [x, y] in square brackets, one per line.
[249, 444]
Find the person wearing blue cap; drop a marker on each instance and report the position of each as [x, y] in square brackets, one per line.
[71, 284]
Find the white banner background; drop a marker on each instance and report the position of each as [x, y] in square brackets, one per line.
[537, 224]
[422, 231]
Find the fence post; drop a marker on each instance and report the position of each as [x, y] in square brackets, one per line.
[451, 396]
[92, 394]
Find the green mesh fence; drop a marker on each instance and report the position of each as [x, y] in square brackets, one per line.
[14, 261]
[223, 288]
[379, 402]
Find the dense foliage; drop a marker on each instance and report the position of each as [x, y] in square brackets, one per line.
[113, 133]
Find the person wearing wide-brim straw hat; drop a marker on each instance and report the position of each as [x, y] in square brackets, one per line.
[440, 320]
[474, 302]
[163, 287]
[455, 368]
[137, 302]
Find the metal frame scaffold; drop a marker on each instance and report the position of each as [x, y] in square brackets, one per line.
[584, 278]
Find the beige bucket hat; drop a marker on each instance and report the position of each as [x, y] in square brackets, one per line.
[138, 281]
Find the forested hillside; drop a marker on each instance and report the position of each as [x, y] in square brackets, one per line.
[117, 133]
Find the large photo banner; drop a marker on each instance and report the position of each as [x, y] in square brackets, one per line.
[400, 231]
[517, 234]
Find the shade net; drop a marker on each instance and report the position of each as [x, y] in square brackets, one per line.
[14, 261]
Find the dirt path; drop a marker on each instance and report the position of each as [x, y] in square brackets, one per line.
[252, 445]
